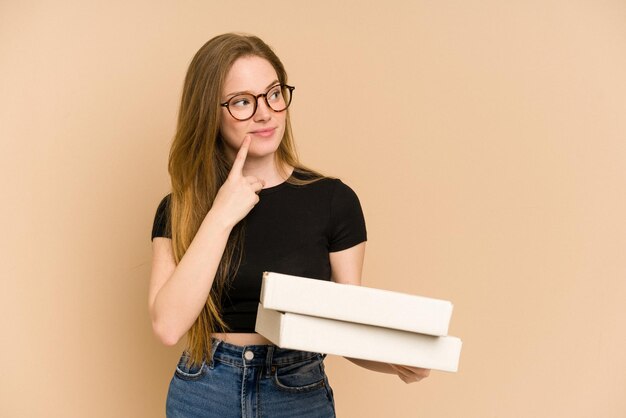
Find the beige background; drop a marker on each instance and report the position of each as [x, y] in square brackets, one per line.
[485, 139]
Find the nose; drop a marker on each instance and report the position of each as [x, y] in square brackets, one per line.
[263, 111]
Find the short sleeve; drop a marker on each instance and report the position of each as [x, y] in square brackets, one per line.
[161, 224]
[347, 223]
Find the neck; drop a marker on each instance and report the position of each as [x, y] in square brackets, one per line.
[266, 169]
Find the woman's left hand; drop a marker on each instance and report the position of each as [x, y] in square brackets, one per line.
[410, 374]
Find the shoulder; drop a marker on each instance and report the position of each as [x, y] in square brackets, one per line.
[161, 223]
[337, 193]
[347, 222]
[326, 188]
[344, 199]
[322, 181]
[164, 204]
[166, 200]
[341, 190]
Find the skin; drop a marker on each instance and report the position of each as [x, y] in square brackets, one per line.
[253, 169]
[254, 75]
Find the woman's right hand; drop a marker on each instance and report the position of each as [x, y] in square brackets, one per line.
[238, 194]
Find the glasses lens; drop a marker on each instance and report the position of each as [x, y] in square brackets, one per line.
[242, 106]
[278, 97]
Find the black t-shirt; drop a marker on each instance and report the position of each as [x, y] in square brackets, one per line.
[291, 230]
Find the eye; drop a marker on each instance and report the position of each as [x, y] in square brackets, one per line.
[274, 93]
[240, 101]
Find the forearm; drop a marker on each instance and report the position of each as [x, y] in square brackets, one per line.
[182, 298]
[373, 365]
[407, 374]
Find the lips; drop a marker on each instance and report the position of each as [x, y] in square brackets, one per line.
[264, 132]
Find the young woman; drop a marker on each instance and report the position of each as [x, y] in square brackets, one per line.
[241, 203]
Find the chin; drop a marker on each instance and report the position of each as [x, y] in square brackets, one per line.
[263, 146]
[262, 152]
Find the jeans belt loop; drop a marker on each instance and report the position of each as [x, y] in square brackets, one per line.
[216, 342]
[268, 360]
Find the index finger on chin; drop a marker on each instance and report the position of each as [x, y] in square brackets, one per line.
[240, 159]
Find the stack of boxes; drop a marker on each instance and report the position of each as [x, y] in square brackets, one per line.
[360, 322]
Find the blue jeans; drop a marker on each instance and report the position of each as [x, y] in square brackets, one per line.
[260, 381]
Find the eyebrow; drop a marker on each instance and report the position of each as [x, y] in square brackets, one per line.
[249, 92]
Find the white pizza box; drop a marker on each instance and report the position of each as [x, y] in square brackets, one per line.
[360, 304]
[349, 339]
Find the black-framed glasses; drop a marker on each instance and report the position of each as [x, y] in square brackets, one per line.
[243, 106]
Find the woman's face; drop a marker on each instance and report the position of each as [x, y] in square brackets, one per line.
[254, 75]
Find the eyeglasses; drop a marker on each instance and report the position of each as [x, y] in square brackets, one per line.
[243, 106]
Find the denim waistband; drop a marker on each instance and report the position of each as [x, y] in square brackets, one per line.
[258, 355]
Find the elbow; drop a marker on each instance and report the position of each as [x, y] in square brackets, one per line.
[168, 339]
[165, 336]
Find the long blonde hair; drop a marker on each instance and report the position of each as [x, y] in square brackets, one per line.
[198, 167]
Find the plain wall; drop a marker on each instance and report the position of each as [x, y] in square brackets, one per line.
[485, 139]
